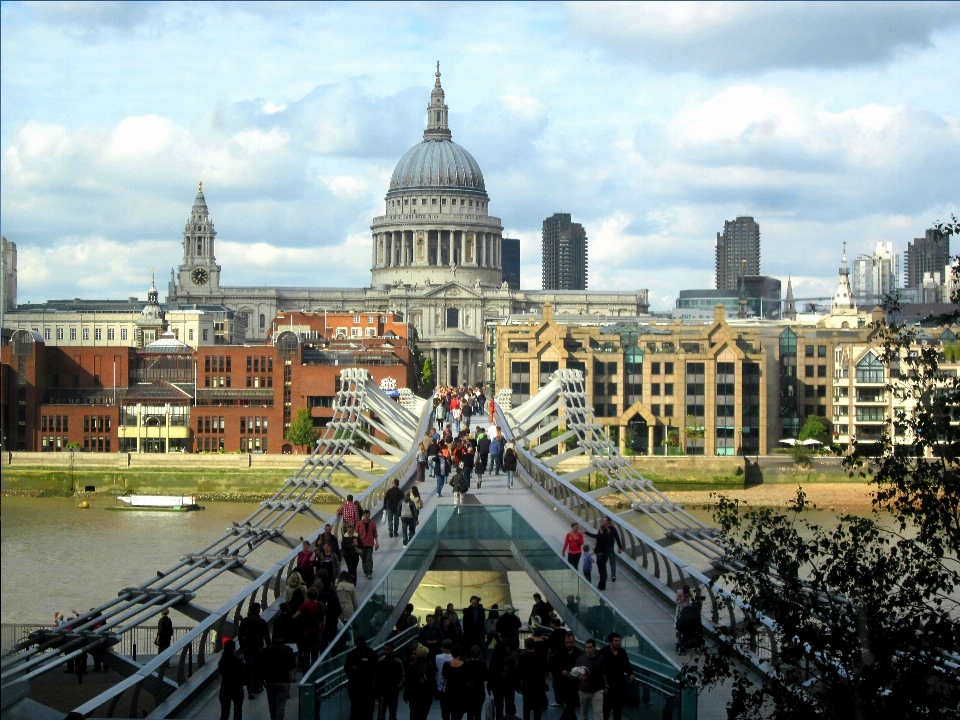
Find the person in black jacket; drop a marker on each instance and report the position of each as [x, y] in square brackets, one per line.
[253, 635]
[564, 686]
[360, 669]
[420, 685]
[164, 635]
[388, 682]
[232, 676]
[483, 452]
[500, 682]
[474, 622]
[603, 551]
[555, 646]
[391, 504]
[508, 626]
[532, 677]
[619, 670]
[285, 628]
[476, 683]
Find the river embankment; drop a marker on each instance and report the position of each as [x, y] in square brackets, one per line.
[245, 477]
[219, 477]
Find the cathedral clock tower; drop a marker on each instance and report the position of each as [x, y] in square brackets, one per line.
[199, 273]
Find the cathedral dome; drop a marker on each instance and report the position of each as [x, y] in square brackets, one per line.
[439, 163]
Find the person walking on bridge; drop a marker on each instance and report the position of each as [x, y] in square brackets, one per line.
[360, 668]
[619, 672]
[387, 682]
[573, 546]
[509, 463]
[254, 635]
[391, 504]
[232, 675]
[348, 512]
[278, 662]
[474, 622]
[612, 557]
[367, 531]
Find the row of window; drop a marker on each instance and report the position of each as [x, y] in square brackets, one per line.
[96, 423]
[253, 444]
[97, 443]
[433, 201]
[85, 333]
[341, 333]
[211, 424]
[57, 443]
[54, 423]
[217, 424]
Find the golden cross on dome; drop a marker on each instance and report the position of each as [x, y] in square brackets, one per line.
[200, 186]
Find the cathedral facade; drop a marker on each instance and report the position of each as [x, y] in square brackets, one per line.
[435, 260]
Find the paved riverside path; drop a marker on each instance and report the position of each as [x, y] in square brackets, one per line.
[643, 606]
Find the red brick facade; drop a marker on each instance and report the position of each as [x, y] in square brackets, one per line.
[229, 398]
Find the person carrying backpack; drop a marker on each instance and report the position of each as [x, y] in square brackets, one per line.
[409, 516]
[459, 484]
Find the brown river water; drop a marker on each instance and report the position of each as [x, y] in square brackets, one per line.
[55, 556]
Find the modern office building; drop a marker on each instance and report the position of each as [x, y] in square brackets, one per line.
[929, 254]
[738, 252]
[875, 276]
[760, 299]
[564, 254]
[510, 249]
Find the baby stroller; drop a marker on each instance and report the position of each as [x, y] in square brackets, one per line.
[689, 629]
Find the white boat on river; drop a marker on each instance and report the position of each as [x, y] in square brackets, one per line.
[176, 503]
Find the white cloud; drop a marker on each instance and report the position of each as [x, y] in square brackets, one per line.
[738, 37]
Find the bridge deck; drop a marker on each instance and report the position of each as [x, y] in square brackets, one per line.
[644, 607]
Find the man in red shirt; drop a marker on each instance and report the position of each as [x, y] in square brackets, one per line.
[367, 531]
[348, 511]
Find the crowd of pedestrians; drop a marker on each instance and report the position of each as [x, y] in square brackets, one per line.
[473, 666]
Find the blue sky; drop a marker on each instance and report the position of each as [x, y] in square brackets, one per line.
[651, 124]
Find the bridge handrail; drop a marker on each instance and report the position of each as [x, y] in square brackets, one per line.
[584, 507]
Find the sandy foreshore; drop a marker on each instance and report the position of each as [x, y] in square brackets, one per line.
[834, 497]
[838, 497]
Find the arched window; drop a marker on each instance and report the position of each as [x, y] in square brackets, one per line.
[263, 321]
[287, 343]
[199, 246]
[438, 116]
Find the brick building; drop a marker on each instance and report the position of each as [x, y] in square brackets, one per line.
[170, 397]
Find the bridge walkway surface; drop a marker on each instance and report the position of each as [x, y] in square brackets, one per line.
[646, 608]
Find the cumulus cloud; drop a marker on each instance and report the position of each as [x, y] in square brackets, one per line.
[90, 267]
[742, 37]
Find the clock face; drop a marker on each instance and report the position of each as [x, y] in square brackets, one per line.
[199, 276]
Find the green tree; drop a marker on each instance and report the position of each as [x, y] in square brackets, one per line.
[301, 431]
[814, 429]
[426, 375]
[865, 612]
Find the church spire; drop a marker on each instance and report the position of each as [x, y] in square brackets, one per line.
[438, 127]
[843, 301]
[789, 304]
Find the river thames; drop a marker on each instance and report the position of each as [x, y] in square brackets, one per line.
[57, 557]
